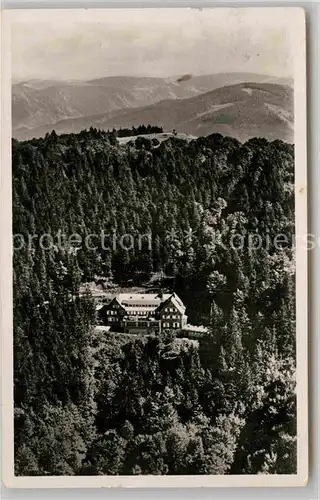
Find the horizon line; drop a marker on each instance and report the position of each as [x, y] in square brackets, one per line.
[17, 80]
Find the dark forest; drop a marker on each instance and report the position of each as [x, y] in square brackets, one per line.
[151, 404]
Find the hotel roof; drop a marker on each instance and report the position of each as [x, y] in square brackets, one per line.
[148, 301]
[194, 328]
[142, 298]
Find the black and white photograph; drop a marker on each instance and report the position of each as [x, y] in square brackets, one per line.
[158, 206]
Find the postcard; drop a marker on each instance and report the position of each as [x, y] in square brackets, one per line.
[154, 250]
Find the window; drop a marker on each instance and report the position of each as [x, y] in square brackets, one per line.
[176, 325]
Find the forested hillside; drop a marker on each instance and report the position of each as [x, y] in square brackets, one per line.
[155, 405]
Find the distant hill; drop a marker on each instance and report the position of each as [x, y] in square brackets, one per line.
[43, 103]
[243, 110]
[198, 84]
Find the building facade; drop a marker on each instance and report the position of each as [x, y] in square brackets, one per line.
[138, 312]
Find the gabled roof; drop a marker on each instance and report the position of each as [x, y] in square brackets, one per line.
[142, 299]
[176, 301]
[114, 299]
[134, 301]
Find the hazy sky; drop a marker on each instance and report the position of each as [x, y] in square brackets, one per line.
[151, 42]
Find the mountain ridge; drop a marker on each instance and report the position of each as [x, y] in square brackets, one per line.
[38, 103]
[241, 111]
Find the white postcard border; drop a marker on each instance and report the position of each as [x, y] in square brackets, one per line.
[297, 19]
